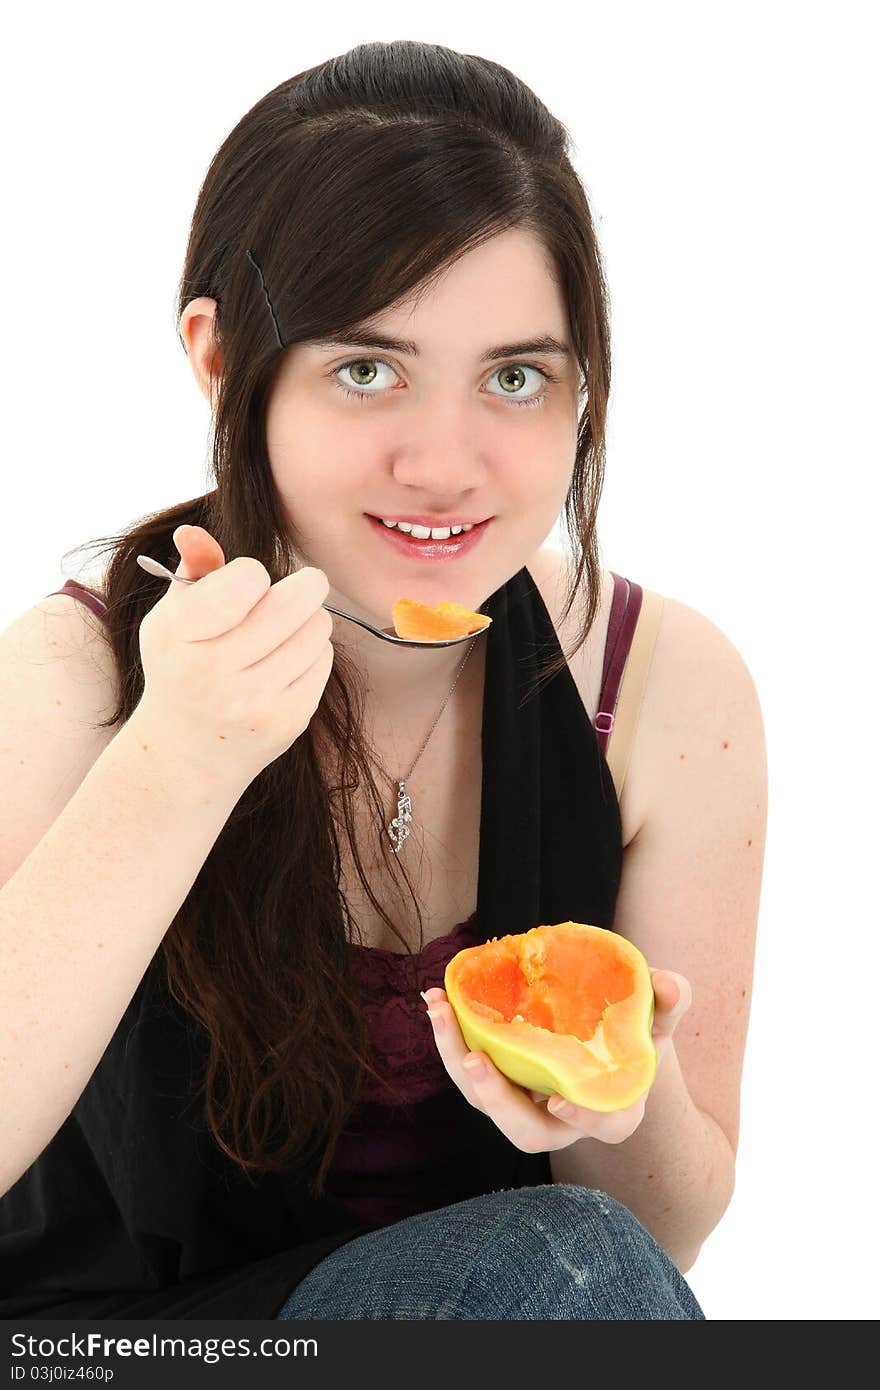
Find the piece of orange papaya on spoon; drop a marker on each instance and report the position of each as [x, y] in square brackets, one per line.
[420, 622]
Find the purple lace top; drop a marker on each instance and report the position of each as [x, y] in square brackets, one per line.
[386, 1162]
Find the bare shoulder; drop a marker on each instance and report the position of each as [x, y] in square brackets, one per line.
[696, 670]
[61, 633]
[86, 627]
[693, 667]
[57, 687]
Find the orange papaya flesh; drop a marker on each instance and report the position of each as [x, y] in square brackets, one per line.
[566, 1008]
[418, 620]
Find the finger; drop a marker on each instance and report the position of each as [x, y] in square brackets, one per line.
[468, 1069]
[531, 1128]
[619, 1125]
[452, 1047]
[672, 995]
[200, 553]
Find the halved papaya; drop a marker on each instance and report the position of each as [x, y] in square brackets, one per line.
[565, 1008]
[426, 624]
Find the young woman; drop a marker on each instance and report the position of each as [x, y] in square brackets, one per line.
[221, 917]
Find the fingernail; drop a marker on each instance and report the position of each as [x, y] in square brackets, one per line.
[562, 1107]
[476, 1066]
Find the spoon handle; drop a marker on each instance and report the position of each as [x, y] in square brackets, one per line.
[152, 566]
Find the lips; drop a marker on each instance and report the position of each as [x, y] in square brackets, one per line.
[428, 549]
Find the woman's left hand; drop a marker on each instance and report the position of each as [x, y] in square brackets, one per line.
[536, 1123]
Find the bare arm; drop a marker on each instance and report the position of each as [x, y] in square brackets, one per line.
[80, 920]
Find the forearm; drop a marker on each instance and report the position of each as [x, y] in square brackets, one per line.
[675, 1173]
[81, 919]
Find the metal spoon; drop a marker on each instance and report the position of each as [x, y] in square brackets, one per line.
[387, 634]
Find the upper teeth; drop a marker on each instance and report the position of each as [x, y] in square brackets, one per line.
[421, 533]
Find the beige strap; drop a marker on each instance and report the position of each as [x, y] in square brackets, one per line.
[632, 687]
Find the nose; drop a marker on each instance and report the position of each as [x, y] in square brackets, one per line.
[441, 458]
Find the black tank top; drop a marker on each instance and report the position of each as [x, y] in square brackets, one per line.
[132, 1211]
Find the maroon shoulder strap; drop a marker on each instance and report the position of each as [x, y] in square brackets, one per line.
[625, 608]
[89, 597]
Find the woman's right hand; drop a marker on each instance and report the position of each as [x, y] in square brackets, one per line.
[234, 666]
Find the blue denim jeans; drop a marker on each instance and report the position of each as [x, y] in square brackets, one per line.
[554, 1251]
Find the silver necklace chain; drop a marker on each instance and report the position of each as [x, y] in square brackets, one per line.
[399, 828]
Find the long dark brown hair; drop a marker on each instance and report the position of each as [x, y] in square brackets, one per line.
[354, 184]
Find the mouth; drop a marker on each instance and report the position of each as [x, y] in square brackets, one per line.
[428, 548]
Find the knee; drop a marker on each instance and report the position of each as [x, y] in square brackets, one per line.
[558, 1247]
[550, 1251]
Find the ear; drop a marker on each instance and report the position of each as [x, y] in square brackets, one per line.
[196, 332]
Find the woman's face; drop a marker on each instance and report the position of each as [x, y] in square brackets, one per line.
[444, 433]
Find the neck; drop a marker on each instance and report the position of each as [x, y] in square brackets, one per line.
[410, 741]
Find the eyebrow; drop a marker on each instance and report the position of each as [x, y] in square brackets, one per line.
[369, 337]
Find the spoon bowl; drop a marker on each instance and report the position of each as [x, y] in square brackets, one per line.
[387, 634]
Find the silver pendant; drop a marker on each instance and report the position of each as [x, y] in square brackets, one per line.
[399, 827]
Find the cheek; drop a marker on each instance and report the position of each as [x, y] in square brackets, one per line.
[310, 463]
[298, 427]
[541, 469]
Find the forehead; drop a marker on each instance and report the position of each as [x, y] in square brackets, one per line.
[500, 299]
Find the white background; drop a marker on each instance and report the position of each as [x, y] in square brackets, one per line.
[729, 153]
